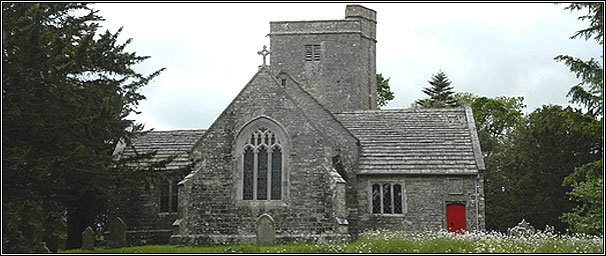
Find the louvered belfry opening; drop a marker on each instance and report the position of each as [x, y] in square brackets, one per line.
[312, 52]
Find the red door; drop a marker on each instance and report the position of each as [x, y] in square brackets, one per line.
[455, 216]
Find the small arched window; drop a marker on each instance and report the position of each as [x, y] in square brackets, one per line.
[262, 165]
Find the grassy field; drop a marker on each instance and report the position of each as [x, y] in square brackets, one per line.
[403, 242]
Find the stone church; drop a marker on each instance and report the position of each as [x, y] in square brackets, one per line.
[304, 146]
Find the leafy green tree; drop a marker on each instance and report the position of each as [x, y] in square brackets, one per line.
[464, 98]
[587, 180]
[384, 93]
[588, 215]
[440, 93]
[545, 149]
[496, 119]
[67, 90]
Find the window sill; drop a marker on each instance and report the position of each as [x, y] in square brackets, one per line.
[166, 214]
[388, 215]
[266, 204]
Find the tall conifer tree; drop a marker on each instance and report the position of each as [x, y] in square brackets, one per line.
[67, 89]
[440, 93]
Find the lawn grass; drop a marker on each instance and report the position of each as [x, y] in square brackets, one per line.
[403, 242]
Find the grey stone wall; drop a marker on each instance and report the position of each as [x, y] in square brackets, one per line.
[212, 211]
[426, 197]
[343, 142]
[345, 77]
[145, 224]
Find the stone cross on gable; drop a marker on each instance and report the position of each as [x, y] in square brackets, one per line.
[264, 53]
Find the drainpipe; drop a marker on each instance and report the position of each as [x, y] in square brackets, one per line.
[477, 201]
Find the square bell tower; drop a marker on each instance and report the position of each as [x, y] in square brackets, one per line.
[333, 60]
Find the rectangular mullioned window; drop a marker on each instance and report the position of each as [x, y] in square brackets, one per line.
[387, 198]
[169, 196]
[312, 52]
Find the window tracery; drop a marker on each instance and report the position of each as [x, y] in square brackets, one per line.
[262, 166]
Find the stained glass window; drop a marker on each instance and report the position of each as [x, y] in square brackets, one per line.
[248, 174]
[262, 166]
[262, 174]
[276, 173]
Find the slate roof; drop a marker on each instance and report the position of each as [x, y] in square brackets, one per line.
[166, 143]
[422, 141]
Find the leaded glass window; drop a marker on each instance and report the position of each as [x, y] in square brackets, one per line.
[262, 166]
[262, 174]
[376, 198]
[397, 198]
[387, 198]
[169, 196]
[276, 172]
[248, 173]
[164, 197]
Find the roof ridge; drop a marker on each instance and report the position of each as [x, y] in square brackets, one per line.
[315, 101]
[178, 130]
[403, 110]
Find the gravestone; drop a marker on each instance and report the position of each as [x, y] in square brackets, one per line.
[117, 234]
[42, 248]
[266, 232]
[88, 239]
[523, 228]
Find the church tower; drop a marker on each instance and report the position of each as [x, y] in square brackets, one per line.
[333, 60]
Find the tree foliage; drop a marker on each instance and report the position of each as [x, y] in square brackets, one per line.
[440, 93]
[384, 93]
[67, 90]
[590, 72]
[588, 215]
[544, 150]
[587, 179]
[496, 119]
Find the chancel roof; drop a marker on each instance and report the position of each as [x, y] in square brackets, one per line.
[409, 141]
[166, 143]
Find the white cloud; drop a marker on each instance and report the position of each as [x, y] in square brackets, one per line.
[487, 49]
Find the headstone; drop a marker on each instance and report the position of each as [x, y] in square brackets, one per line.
[523, 228]
[88, 239]
[117, 233]
[42, 248]
[266, 232]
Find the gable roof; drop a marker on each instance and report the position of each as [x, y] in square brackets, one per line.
[421, 141]
[166, 143]
[321, 119]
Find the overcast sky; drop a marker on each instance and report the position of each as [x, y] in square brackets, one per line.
[210, 50]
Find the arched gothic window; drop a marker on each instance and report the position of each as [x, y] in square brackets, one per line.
[262, 165]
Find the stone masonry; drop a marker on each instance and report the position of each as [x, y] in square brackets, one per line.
[304, 146]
